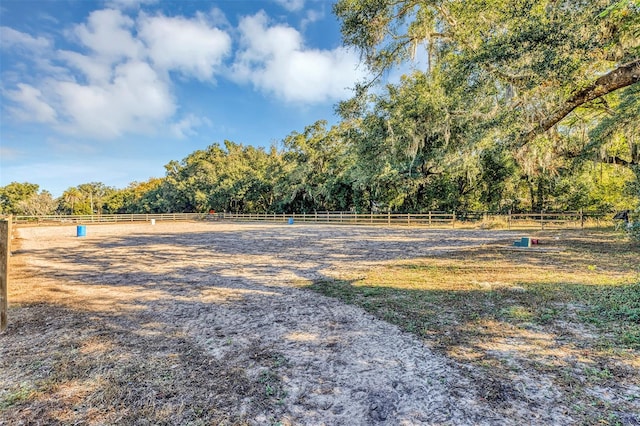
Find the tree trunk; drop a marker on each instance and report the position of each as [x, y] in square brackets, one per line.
[532, 193]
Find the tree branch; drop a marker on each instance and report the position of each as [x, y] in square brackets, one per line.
[613, 159]
[623, 76]
[609, 159]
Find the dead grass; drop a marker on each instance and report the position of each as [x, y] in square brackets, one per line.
[570, 313]
[82, 370]
[86, 361]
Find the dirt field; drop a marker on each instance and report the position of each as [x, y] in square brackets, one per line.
[210, 323]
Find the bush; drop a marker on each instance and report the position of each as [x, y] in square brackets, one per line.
[633, 228]
[634, 231]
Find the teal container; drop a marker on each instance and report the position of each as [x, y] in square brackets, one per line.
[524, 242]
[290, 221]
[81, 231]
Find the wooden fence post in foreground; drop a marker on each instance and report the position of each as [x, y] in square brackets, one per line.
[5, 248]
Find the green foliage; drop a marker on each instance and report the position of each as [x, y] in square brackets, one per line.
[497, 167]
[132, 199]
[24, 199]
[617, 310]
[230, 178]
[496, 70]
[634, 231]
[38, 204]
[87, 198]
[316, 164]
[15, 193]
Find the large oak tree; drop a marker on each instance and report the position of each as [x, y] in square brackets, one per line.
[546, 58]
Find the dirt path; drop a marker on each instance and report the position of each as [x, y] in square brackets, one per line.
[180, 318]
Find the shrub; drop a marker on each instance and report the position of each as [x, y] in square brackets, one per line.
[634, 231]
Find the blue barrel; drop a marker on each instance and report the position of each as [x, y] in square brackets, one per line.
[81, 231]
[290, 221]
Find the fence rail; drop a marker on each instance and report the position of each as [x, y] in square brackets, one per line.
[105, 218]
[432, 218]
[543, 220]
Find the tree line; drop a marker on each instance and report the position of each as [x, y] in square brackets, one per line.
[515, 105]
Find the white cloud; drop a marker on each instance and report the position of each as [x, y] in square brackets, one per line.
[33, 107]
[120, 85]
[136, 101]
[108, 34]
[218, 18]
[275, 60]
[311, 17]
[186, 126]
[117, 79]
[93, 68]
[14, 38]
[190, 46]
[291, 5]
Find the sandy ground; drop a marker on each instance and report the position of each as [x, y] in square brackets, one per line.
[233, 294]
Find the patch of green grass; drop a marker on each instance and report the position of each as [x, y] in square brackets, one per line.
[613, 304]
[614, 310]
[273, 388]
[21, 394]
[597, 374]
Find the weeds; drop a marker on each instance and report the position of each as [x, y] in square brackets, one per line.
[22, 393]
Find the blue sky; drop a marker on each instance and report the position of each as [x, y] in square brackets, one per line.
[111, 91]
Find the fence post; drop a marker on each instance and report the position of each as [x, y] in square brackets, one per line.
[389, 218]
[509, 220]
[429, 218]
[581, 219]
[542, 220]
[408, 219]
[453, 220]
[5, 252]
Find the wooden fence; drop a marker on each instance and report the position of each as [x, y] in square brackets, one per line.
[5, 252]
[440, 219]
[105, 218]
[436, 219]
[544, 220]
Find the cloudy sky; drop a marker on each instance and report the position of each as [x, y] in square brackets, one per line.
[111, 91]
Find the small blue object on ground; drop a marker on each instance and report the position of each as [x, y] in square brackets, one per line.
[290, 221]
[524, 242]
[81, 231]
